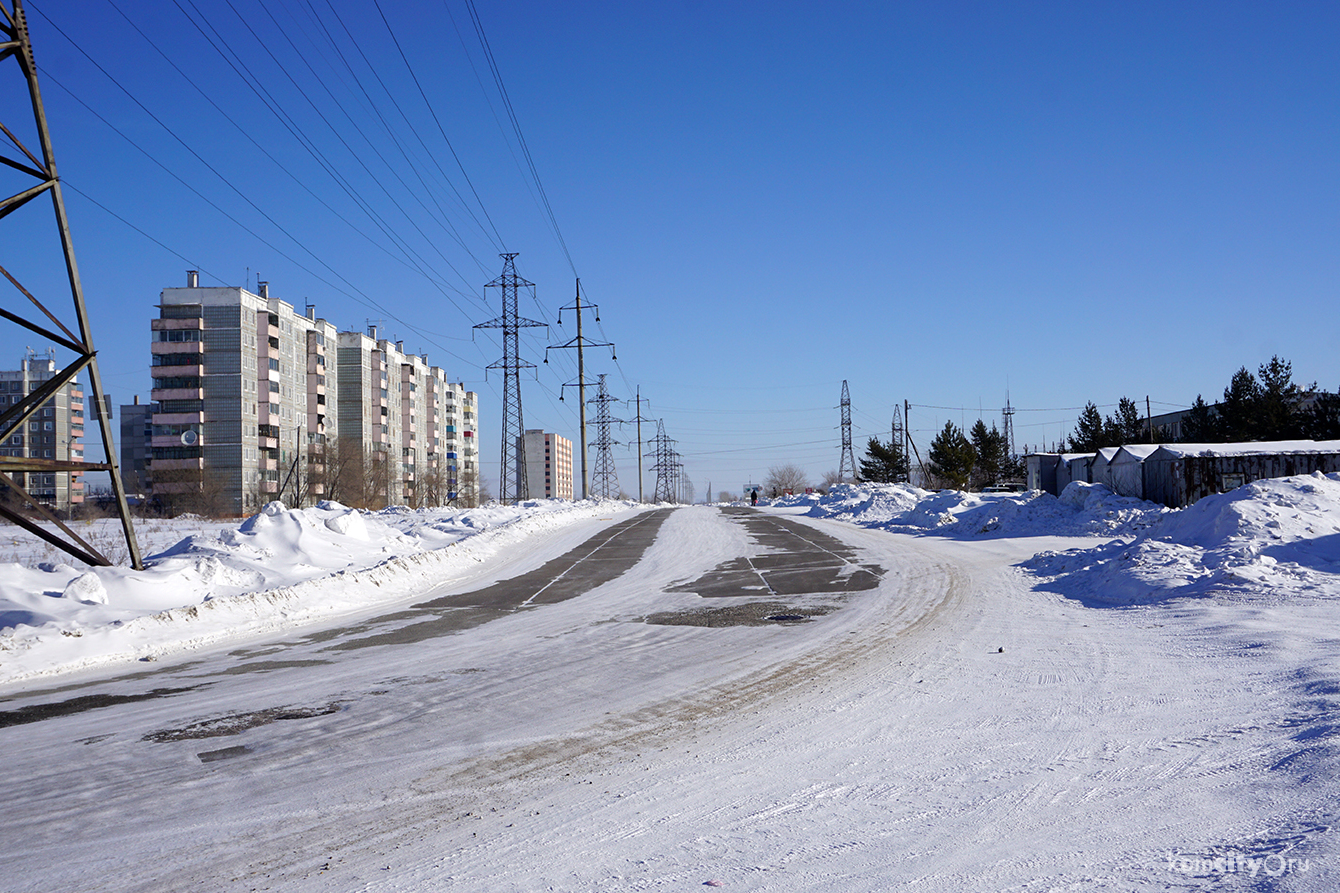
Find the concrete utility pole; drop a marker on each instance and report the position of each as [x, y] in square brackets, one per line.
[579, 343]
[16, 44]
[639, 420]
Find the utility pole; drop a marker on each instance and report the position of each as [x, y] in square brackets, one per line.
[605, 480]
[579, 343]
[639, 420]
[512, 475]
[847, 466]
[16, 44]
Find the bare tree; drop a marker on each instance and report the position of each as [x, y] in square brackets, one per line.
[784, 477]
[830, 478]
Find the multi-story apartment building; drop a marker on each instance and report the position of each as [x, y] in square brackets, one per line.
[254, 401]
[548, 465]
[240, 394]
[56, 431]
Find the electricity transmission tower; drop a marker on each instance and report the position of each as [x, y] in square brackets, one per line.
[512, 483]
[847, 467]
[579, 343]
[605, 479]
[665, 466]
[15, 419]
[897, 439]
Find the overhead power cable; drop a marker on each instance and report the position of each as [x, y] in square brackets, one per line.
[516, 128]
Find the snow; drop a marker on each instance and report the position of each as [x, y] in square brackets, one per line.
[1088, 692]
[278, 569]
[1258, 448]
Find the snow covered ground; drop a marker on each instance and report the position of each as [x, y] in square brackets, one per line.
[1090, 693]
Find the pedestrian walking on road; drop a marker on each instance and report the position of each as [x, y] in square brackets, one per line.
[753, 497]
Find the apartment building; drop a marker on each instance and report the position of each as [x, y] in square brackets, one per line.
[240, 394]
[254, 401]
[548, 465]
[55, 431]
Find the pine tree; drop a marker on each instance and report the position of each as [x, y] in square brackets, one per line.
[1201, 424]
[992, 455]
[1238, 411]
[883, 463]
[1321, 420]
[1277, 410]
[1126, 426]
[952, 457]
[1090, 431]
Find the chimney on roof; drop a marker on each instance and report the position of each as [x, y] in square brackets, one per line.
[372, 332]
[192, 278]
[400, 346]
[263, 289]
[311, 311]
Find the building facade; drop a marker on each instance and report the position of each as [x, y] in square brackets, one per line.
[254, 401]
[137, 423]
[548, 465]
[55, 431]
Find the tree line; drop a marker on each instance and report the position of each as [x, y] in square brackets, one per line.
[1266, 406]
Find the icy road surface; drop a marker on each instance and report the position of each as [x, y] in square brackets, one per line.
[751, 700]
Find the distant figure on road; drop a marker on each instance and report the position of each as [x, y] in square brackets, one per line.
[753, 497]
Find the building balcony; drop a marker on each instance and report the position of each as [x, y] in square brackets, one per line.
[177, 394]
[178, 464]
[169, 325]
[178, 418]
[176, 347]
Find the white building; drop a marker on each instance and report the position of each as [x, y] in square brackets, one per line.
[254, 401]
[548, 465]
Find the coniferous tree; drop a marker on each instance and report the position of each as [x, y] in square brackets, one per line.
[1237, 412]
[883, 463]
[952, 457]
[1201, 424]
[1277, 409]
[992, 455]
[1321, 420]
[1090, 431]
[1127, 426]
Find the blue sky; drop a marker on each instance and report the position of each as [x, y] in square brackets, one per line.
[934, 202]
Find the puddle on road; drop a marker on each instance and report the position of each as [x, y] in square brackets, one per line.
[236, 723]
[223, 753]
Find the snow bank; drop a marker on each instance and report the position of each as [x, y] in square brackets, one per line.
[1082, 510]
[277, 569]
[1268, 541]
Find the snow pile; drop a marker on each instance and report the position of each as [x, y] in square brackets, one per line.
[1082, 510]
[1269, 541]
[278, 568]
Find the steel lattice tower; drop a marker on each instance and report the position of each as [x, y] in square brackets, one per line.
[665, 465]
[605, 479]
[41, 177]
[1007, 416]
[512, 471]
[847, 466]
[897, 438]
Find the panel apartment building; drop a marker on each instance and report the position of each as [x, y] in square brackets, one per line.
[55, 431]
[548, 465]
[254, 401]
